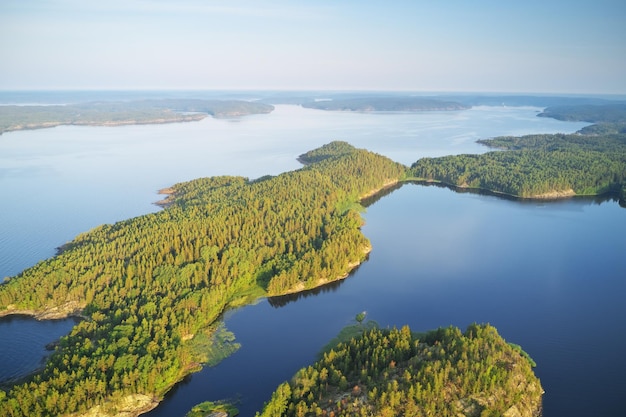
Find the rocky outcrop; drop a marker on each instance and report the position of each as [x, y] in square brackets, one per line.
[69, 309]
[553, 195]
[128, 406]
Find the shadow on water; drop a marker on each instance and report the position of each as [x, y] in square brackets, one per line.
[588, 200]
[368, 201]
[265, 333]
[283, 300]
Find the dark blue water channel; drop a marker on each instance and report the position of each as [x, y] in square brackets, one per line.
[549, 275]
[25, 344]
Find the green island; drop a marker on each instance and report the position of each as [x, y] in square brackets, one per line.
[151, 290]
[213, 409]
[587, 163]
[404, 104]
[394, 372]
[108, 113]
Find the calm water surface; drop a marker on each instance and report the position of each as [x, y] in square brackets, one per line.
[57, 183]
[20, 334]
[549, 276]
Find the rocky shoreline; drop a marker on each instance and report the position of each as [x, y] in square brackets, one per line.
[69, 309]
[167, 201]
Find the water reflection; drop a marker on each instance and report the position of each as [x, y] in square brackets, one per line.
[610, 197]
[283, 300]
[368, 201]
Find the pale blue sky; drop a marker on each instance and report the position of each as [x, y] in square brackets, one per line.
[495, 46]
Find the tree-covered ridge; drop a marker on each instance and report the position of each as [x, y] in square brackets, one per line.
[536, 166]
[593, 113]
[350, 171]
[385, 103]
[123, 113]
[151, 288]
[334, 150]
[608, 118]
[397, 373]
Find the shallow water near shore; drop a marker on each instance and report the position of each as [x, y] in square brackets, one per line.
[548, 275]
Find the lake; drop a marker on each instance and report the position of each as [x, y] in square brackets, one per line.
[549, 276]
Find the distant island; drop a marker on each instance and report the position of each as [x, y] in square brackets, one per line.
[118, 113]
[384, 103]
[399, 100]
[592, 113]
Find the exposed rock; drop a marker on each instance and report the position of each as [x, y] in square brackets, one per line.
[555, 194]
[128, 406]
[69, 309]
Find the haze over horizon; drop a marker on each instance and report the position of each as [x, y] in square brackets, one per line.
[565, 47]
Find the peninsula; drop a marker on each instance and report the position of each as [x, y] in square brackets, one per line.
[151, 308]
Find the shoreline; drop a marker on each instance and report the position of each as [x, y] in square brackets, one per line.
[388, 184]
[64, 311]
[549, 196]
[324, 281]
[136, 408]
[156, 121]
[144, 403]
[169, 192]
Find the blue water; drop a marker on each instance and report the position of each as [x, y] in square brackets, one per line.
[549, 276]
[56, 183]
[23, 344]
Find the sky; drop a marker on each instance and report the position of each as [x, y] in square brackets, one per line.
[525, 46]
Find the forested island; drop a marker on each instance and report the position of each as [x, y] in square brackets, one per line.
[593, 113]
[114, 113]
[385, 103]
[151, 290]
[589, 162]
[394, 372]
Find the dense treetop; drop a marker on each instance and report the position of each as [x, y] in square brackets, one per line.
[398, 373]
[151, 288]
[537, 166]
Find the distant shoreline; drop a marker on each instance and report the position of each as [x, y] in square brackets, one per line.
[140, 112]
[47, 125]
